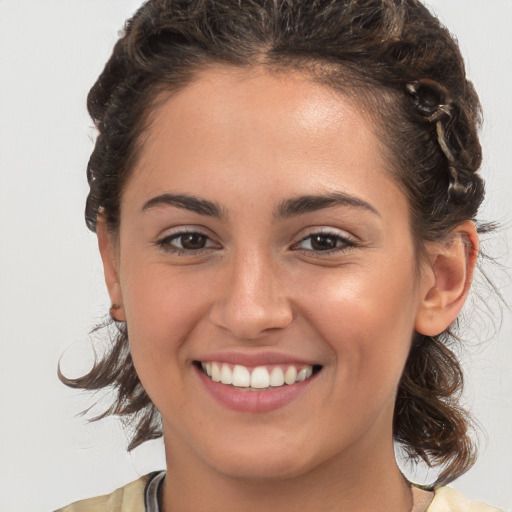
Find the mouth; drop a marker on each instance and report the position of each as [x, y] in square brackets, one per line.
[259, 378]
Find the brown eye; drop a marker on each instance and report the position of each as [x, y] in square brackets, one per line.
[187, 242]
[192, 241]
[323, 242]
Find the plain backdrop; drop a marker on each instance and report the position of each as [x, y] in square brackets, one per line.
[51, 287]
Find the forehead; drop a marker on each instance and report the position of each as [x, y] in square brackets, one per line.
[233, 129]
[228, 96]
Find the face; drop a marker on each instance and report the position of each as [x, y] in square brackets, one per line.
[264, 242]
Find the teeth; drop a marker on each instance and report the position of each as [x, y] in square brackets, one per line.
[226, 377]
[291, 375]
[241, 376]
[304, 374]
[259, 378]
[277, 377]
[215, 372]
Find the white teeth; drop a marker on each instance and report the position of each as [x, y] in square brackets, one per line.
[260, 378]
[304, 374]
[290, 375]
[277, 377]
[207, 367]
[215, 372]
[241, 376]
[226, 377]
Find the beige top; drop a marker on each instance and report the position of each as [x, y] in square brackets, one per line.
[129, 498]
[141, 496]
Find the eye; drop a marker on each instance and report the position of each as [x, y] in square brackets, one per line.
[186, 242]
[324, 242]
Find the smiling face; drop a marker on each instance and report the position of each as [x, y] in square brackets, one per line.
[261, 229]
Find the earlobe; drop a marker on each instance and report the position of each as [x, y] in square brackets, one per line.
[107, 246]
[446, 282]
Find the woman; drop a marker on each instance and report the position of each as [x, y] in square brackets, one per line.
[284, 195]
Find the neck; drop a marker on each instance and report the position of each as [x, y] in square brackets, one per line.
[352, 482]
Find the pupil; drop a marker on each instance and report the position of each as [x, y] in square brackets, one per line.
[323, 243]
[193, 241]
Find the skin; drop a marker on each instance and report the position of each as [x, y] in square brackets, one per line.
[247, 142]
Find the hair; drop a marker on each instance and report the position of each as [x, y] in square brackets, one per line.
[401, 64]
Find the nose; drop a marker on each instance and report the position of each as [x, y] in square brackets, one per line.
[253, 300]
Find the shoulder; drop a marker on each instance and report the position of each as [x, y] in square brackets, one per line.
[447, 499]
[129, 498]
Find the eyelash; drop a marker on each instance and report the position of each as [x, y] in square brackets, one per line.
[343, 243]
[166, 243]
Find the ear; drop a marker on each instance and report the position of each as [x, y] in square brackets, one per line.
[109, 256]
[446, 279]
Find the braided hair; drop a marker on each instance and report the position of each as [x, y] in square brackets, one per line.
[407, 73]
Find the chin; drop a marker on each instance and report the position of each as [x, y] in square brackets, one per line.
[258, 460]
[261, 468]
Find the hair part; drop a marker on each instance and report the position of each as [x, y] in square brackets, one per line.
[391, 56]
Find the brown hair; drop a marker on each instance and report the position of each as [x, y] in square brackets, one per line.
[392, 55]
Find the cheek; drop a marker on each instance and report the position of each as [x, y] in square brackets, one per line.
[161, 309]
[366, 316]
[155, 297]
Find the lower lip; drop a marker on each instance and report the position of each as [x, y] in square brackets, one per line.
[247, 400]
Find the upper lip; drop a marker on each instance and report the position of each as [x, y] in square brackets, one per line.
[255, 359]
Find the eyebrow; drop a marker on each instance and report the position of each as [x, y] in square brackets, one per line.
[310, 203]
[191, 203]
[288, 208]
